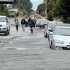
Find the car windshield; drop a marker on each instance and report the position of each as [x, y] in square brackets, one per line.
[62, 31]
[43, 21]
[2, 19]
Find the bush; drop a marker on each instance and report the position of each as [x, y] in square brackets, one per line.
[67, 20]
[50, 15]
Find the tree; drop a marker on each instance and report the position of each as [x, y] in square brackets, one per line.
[24, 4]
[41, 9]
[53, 7]
[64, 10]
[60, 8]
[3, 9]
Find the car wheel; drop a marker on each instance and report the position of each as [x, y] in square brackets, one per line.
[52, 46]
[48, 37]
[6, 33]
[40, 27]
[45, 36]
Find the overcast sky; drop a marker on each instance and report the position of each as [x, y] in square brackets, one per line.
[36, 3]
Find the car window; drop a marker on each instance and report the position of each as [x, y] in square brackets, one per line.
[2, 19]
[62, 31]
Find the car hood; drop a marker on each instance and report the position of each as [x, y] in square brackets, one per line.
[63, 38]
[2, 24]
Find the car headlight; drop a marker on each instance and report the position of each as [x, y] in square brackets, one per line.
[58, 41]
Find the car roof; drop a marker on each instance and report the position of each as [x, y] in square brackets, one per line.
[2, 16]
[63, 27]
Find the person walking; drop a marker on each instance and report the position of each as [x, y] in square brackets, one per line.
[23, 22]
[31, 25]
[16, 24]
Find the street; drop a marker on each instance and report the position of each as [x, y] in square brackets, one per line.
[24, 51]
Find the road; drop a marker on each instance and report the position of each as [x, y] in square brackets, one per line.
[24, 51]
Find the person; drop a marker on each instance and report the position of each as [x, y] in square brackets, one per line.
[16, 24]
[34, 21]
[23, 22]
[31, 25]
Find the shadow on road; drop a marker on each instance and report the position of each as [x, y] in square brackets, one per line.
[65, 48]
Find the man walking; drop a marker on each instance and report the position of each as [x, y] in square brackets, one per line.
[23, 22]
[31, 25]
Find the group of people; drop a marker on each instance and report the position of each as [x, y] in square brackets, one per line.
[30, 23]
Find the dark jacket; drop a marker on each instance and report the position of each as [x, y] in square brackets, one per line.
[23, 22]
[31, 23]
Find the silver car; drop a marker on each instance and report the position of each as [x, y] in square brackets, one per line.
[4, 25]
[60, 37]
[49, 27]
[41, 23]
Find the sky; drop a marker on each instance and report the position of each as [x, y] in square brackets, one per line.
[36, 3]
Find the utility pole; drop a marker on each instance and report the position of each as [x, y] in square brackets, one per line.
[46, 7]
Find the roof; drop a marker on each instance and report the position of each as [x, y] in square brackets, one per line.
[2, 16]
[63, 27]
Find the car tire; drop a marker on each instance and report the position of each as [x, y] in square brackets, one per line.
[48, 36]
[52, 46]
[45, 36]
[6, 33]
[40, 27]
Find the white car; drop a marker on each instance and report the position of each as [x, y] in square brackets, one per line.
[41, 22]
[60, 37]
[38, 22]
[49, 27]
[4, 25]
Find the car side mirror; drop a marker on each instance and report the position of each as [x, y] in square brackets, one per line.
[51, 33]
[50, 30]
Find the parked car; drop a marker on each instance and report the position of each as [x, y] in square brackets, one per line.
[38, 22]
[60, 37]
[4, 25]
[49, 27]
[41, 23]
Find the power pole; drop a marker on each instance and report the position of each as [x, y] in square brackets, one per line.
[46, 7]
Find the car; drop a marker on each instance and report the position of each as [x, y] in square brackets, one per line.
[4, 25]
[49, 27]
[60, 37]
[41, 23]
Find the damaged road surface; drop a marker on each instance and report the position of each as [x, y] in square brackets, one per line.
[23, 52]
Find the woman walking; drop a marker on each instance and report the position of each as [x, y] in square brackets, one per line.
[16, 24]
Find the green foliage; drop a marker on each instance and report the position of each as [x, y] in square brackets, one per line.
[53, 5]
[41, 9]
[24, 4]
[50, 15]
[67, 20]
[4, 10]
[22, 11]
[64, 10]
[59, 8]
